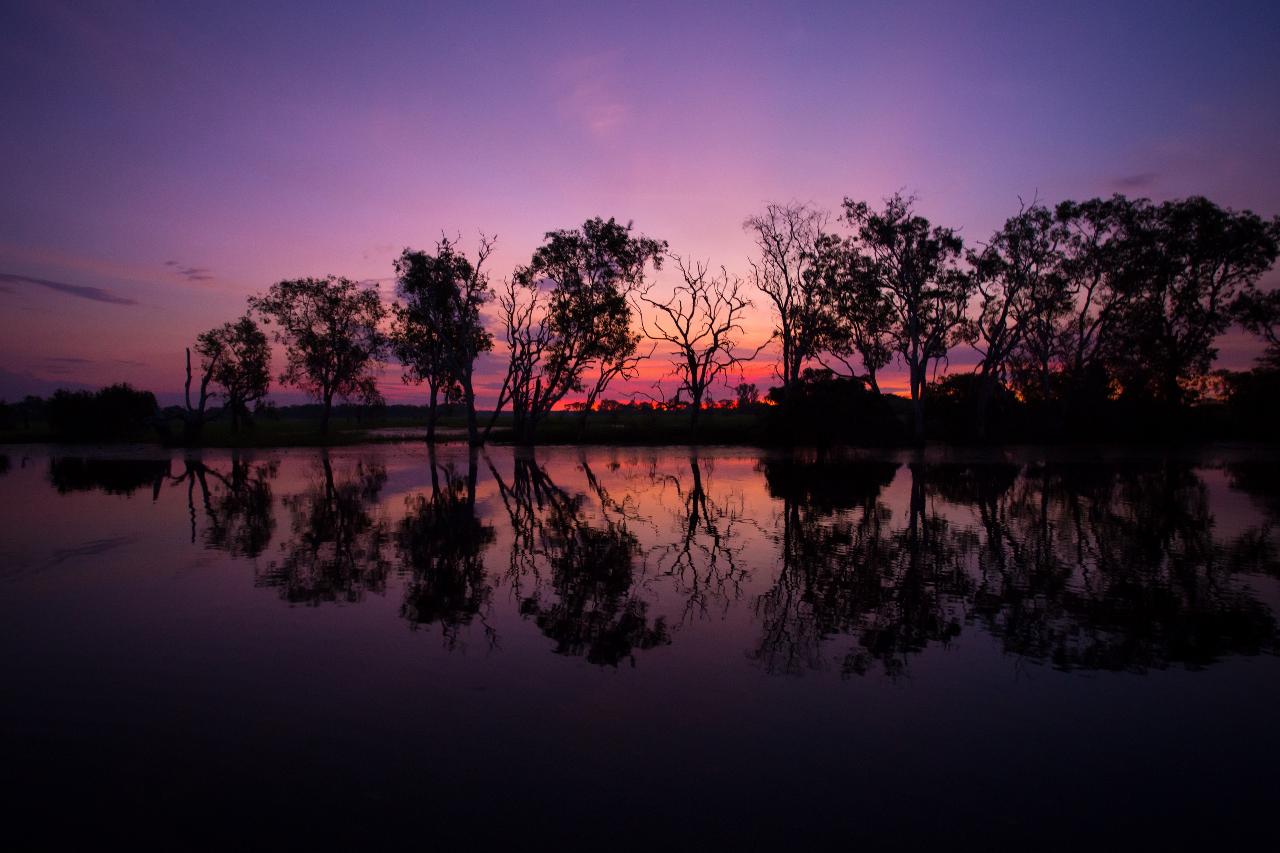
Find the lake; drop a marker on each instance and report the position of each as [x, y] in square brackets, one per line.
[610, 647]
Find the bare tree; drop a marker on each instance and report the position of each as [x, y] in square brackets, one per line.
[701, 320]
[623, 365]
[194, 416]
[787, 236]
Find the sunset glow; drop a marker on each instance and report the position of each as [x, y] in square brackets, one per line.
[163, 163]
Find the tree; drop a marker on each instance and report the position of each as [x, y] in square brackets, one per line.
[329, 327]
[193, 416]
[788, 237]
[567, 310]
[1019, 286]
[862, 316]
[1095, 245]
[748, 395]
[1192, 258]
[701, 320]
[237, 358]
[1259, 312]
[914, 266]
[438, 332]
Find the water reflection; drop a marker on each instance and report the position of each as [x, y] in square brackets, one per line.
[1081, 566]
[113, 476]
[1257, 549]
[442, 543]
[703, 561]
[854, 564]
[576, 576]
[338, 548]
[848, 570]
[237, 509]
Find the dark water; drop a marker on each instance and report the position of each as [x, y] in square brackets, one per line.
[640, 648]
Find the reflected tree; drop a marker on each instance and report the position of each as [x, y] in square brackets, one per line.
[702, 561]
[237, 506]
[441, 543]
[1257, 549]
[584, 593]
[846, 571]
[1113, 567]
[1080, 566]
[70, 474]
[337, 550]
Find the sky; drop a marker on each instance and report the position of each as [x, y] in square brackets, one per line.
[159, 162]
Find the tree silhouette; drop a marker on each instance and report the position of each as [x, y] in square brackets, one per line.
[116, 412]
[237, 358]
[330, 329]
[788, 237]
[1021, 289]
[914, 266]
[862, 316]
[438, 329]
[1079, 339]
[1259, 312]
[194, 416]
[701, 321]
[1192, 259]
[567, 310]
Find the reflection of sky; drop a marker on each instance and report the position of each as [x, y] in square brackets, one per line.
[160, 164]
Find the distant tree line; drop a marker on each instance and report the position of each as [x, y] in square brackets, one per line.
[1068, 309]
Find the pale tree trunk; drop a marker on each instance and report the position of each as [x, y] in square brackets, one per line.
[431, 413]
[917, 400]
[327, 402]
[469, 394]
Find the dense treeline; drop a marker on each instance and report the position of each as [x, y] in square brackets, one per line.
[1086, 318]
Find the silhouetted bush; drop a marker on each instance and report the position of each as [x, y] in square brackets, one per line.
[825, 410]
[951, 403]
[1253, 403]
[116, 412]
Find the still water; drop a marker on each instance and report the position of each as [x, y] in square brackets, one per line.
[636, 647]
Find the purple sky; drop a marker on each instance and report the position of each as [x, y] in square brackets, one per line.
[161, 161]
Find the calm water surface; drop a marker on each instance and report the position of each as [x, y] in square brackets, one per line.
[639, 647]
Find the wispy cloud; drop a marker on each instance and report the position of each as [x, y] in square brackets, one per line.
[1136, 181]
[190, 273]
[590, 94]
[97, 294]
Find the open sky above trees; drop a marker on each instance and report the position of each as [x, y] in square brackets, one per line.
[162, 163]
